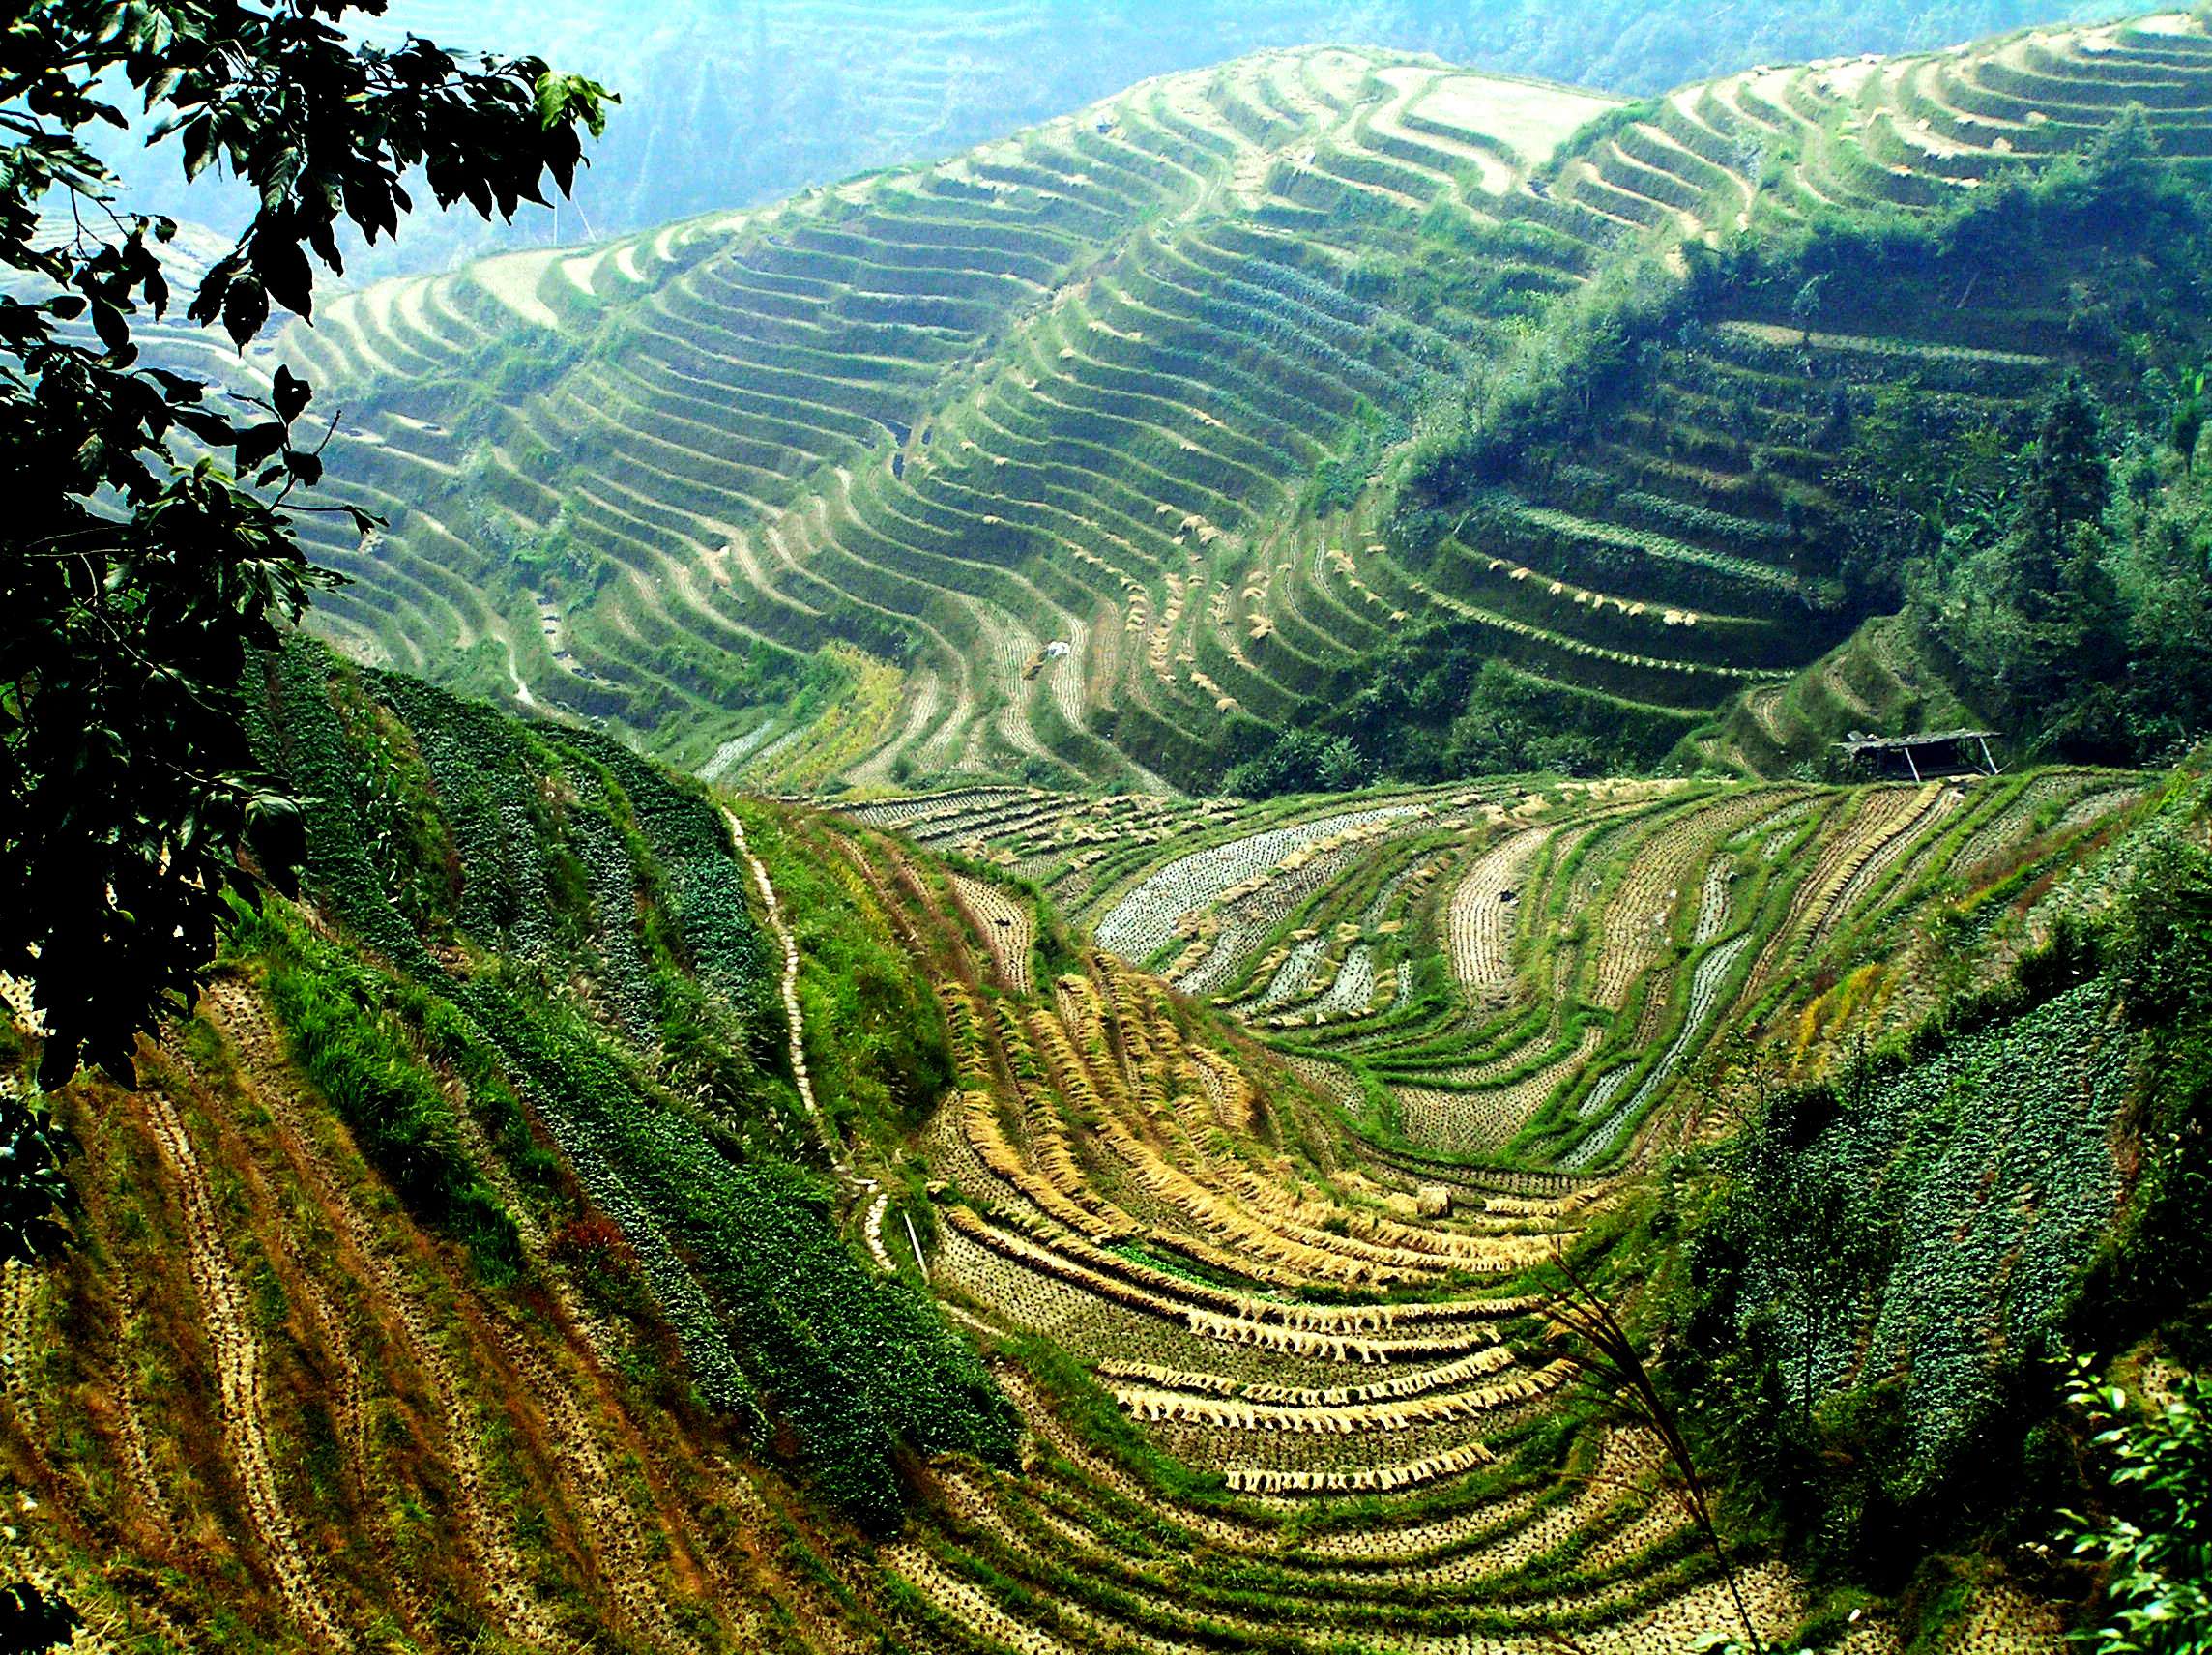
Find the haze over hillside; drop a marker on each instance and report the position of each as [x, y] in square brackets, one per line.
[735, 103]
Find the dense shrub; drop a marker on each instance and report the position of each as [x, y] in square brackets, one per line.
[1302, 761]
[2156, 1548]
[2160, 933]
[838, 1365]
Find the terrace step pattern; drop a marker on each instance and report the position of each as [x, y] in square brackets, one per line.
[1038, 422]
[1272, 1279]
[1047, 393]
[1365, 1376]
[1596, 933]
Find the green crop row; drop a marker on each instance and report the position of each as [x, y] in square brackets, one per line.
[359, 1036]
[565, 849]
[854, 1363]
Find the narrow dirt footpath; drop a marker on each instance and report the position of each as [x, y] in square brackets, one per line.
[775, 923]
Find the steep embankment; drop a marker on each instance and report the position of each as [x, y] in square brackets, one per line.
[264, 1409]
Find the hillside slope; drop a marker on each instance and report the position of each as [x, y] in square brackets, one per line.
[1073, 456]
[610, 1213]
[1067, 388]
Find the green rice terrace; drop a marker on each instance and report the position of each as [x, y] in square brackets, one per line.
[1106, 452]
[1096, 899]
[1517, 975]
[609, 1213]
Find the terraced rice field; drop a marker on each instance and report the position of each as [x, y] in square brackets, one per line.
[1269, 1298]
[1042, 393]
[1298, 1264]
[1529, 975]
[1007, 925]
[1062, 388]
[1158, 1204]
[1070, 388]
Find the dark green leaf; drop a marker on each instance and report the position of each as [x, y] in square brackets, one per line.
[245, 308]
[284, 272]
[291, 394]
[257, 443]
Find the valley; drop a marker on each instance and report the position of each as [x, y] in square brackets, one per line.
[1354, 857]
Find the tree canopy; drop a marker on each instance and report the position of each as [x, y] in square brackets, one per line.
[149, 548]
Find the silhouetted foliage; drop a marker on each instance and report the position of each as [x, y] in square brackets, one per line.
[151, 547]
[32, 1623]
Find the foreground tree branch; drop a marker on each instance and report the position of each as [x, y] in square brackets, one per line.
[140, 574]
